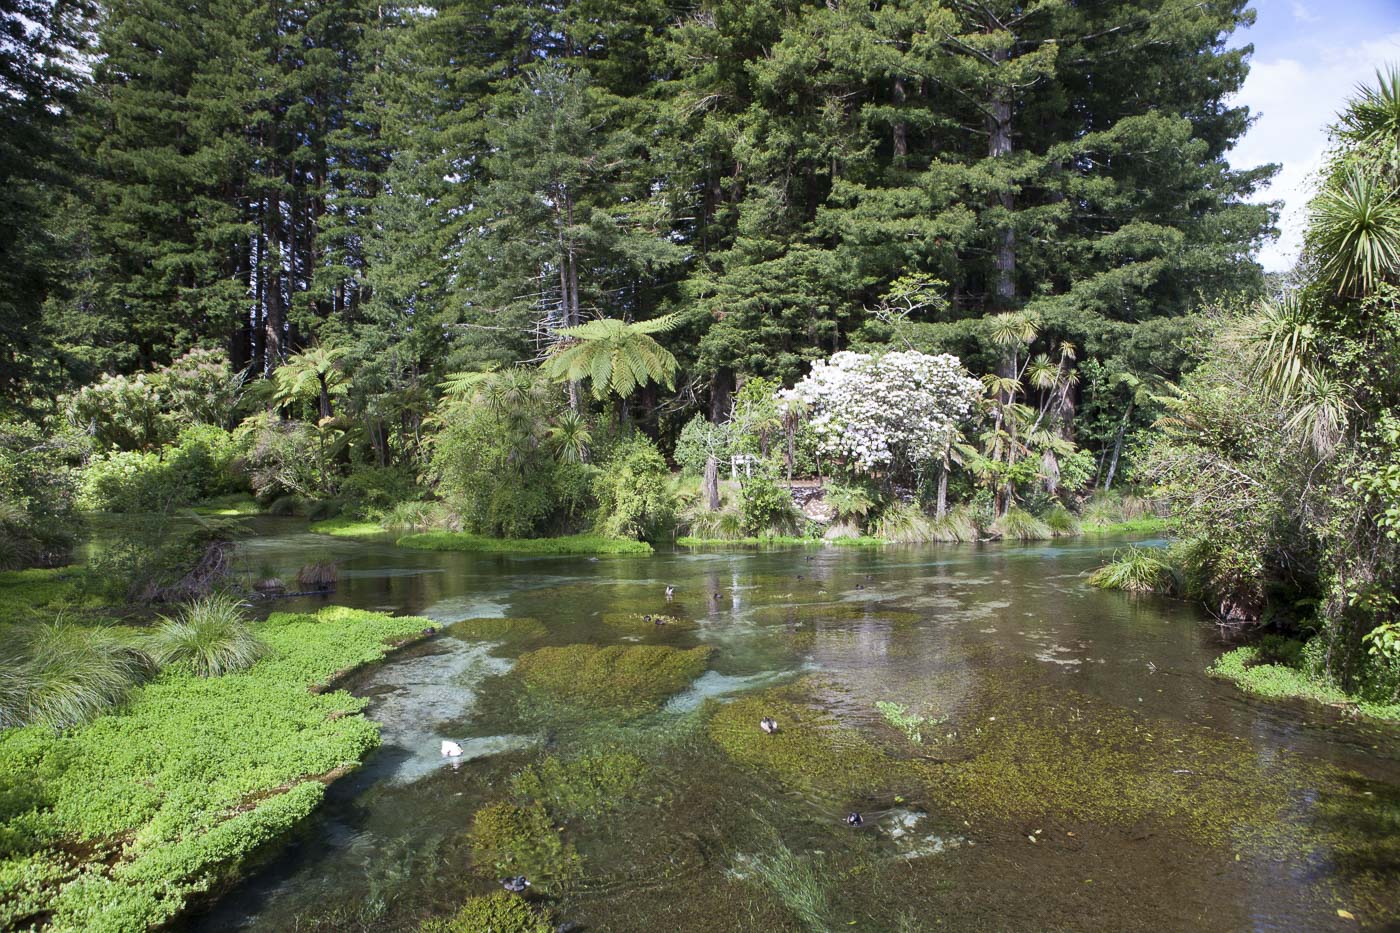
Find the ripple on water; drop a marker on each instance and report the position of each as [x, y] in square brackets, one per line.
[416, 696]
[715, 684]
[457, 608]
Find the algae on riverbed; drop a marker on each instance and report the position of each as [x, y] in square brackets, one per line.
[625, 679]
[510, 839]
[581, 785]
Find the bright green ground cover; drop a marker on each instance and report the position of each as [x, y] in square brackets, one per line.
[1148, 525]
[568, 544]
[114, 825]
[26, 593]
[1249, 670]
[344, 526]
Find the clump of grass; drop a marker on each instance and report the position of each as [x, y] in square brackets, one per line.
[1020, 525]
[1137, 570]
[957, 524]
[319, 575]
[724, 524]
[1060, 521]
[627, 679]
[60, 674]
[211, 635]
[905, 523]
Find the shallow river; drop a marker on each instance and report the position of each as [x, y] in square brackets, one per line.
[1075, 768]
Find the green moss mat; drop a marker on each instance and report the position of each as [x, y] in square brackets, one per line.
[582, 785]
[632, 679]
[498, 629]
[113, 825]
[1246, 668]
[228, 507]
[568, 544]
[346, 527]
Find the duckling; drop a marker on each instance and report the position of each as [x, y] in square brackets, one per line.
[768, 724]
[860, 586]
[853, 819]
[716, 596]
[660, 620]
[800, 577]
[646, 618]
[451, 749]
[516, 885]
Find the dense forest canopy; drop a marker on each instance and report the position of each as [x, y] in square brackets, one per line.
[439, 187]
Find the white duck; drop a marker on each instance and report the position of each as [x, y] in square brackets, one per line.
[451, 749]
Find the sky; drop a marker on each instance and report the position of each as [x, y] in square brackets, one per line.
[1309, 55]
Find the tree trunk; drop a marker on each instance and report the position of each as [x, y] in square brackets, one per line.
[901, 129]
[998, 146]
[712, 483]
[1118, 447]
[942, 508]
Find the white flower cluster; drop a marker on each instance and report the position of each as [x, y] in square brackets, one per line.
[880, 412]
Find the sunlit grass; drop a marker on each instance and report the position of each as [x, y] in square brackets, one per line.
[1137, 570]
[61, 674]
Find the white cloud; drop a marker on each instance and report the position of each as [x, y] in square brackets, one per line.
[1296, 98]
[1303, 14]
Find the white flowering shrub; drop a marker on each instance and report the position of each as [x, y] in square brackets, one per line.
[892, 413]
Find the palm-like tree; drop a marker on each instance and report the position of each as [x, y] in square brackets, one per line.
[1355, 230]
[1372, 119]
[616, 357]
[315, 369]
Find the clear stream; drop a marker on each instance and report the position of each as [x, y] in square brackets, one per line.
[1080, 770]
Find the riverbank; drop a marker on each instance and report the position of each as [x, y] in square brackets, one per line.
[114, 825]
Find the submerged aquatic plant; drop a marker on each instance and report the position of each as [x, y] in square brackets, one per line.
[492, 913]
[211, 635]
[899, 716]
[520, 840]
[1137, 570]
[796, 881]
[581, 784]
[60, 674]
[618, 678]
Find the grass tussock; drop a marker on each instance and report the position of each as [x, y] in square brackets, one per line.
[957, 525]
[904, 523]
[319, 575]
[211, 636]
[1136, 570]
[1019, 525]
[60, 674]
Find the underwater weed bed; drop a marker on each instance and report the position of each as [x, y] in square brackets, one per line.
[114, 825]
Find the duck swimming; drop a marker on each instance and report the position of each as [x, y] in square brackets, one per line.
[768, 724]
[516, 885]
[854, 819]
[670, 591]
[451, 749]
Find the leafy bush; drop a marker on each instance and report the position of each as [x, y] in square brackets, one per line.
[699, 440]
[199, 465]
[767, 505]
[371, 491]
[286, 457]
[212, 636]
[38, 494]
[61, 674]
[634, 494]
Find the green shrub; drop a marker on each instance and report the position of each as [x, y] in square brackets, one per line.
[371, 491]
[634, 494]
[38, 494]
[1137, 570]
[61, 674]
[212, 636]
[767, 505]
[1060, 521]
